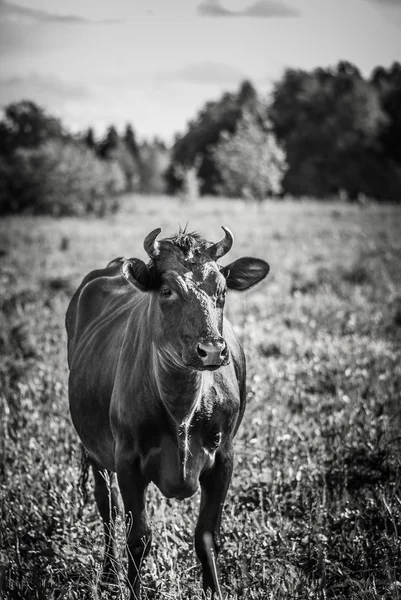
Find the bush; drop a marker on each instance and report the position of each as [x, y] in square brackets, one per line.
[58, 178]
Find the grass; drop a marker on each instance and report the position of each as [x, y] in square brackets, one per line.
[314, 509]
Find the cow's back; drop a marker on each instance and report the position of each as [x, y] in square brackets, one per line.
[90, 301]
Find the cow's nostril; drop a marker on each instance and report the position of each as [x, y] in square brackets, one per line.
[202, 353]
[224, 350]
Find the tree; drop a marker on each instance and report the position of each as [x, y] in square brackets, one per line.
[250, 161]
[329, 122]
[131, 143]
[110, 143]
[26, 125]
[114, 148]
[89, 139]
[388, 84]
[203, 134]
[247, 96]
[154, 160]
[59, 178]
[133, 165]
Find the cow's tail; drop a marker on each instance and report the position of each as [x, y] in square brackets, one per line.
[83, 480]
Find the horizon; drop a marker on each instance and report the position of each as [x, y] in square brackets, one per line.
[78, 64]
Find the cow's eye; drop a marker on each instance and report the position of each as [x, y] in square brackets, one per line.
[165, 292]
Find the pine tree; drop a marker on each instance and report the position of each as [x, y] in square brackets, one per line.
[89, 139]
[130, 142]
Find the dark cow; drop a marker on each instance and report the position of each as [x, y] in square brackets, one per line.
[157, 385]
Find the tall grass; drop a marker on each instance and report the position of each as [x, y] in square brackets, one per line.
[314, 509]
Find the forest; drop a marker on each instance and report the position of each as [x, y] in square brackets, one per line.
[327, 133]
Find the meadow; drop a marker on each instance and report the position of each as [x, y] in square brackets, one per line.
[314, 509]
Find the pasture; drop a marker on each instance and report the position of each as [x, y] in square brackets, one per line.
[314, 508]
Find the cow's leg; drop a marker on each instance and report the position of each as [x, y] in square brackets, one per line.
[108, 502]
[214, 486]
[133, 488]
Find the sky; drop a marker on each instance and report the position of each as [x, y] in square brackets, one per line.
[154, 63]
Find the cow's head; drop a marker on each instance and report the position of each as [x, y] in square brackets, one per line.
[188, 289]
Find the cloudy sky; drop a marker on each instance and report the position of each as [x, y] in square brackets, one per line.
[155, 62]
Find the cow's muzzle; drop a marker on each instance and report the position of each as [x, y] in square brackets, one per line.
[212, 354]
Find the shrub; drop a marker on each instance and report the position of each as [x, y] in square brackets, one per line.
[59, 178]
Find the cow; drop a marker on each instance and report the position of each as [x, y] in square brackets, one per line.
[157, 386]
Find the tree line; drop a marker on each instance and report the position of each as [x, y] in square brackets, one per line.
[324, 133]
[340, 134]
[46, 169]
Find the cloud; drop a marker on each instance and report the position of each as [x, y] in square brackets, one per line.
[16, 13]
[206, 73]
[396, 3]
[46, 90]
[267, 9]
[213, 8]
[259, 9]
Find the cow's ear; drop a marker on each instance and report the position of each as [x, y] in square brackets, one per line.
[245, 272]
[137, 273]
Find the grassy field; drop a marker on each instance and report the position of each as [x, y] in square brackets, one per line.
[314, 509]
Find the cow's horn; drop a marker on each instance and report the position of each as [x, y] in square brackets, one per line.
[221, 248]
[150, 244]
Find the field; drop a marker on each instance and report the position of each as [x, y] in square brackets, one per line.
[314, 509]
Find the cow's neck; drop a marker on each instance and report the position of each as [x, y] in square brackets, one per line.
[179, 388]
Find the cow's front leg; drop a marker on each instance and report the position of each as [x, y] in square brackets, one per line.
[133, 488]
[214, 486]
